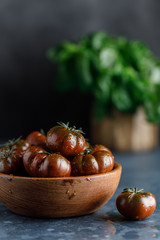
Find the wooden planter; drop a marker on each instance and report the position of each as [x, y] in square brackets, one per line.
[125, 132]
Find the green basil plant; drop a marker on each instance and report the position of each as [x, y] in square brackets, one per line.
[119, 73]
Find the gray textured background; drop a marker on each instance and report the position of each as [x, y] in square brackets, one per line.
[29, 28]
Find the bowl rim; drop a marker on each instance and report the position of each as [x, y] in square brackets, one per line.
[117, 166]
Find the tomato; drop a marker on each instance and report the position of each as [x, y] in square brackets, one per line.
[11, 156]
[37, 139]
[136, 204]
[66, 140]
[92, 163]
[100, 147]
[39, 163]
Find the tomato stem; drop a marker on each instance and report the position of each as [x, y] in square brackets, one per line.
[5, 154]
[11, 142]
[70, 128]
[42, 132]
[87, 151]
[132, 190]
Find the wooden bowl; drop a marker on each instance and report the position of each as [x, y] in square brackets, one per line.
[58, 197]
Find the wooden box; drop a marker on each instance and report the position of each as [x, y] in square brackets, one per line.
[125, 132]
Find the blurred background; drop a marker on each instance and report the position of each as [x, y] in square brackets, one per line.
[28, 28]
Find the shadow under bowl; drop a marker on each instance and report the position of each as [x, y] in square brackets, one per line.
[58, 197]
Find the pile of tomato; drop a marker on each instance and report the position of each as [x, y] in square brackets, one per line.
[62, 152]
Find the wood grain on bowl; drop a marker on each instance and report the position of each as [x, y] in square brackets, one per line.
[58, 197]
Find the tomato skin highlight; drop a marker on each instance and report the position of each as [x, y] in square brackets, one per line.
[65, 141]
[99, 147]
[39, 163]
[58, 166]
[84, 164]
[28, 158]
[88, 164]
[105, 161]
[136, 205]
[13, 163]
[36, 139]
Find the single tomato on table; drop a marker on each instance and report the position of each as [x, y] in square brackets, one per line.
[66, 140]
[136, 204]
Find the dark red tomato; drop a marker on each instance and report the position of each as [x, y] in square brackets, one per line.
[65, 140]
[11, 156]
[88, 164]
[100, 147]
[136, 204]
[39, 163]
[37, 139]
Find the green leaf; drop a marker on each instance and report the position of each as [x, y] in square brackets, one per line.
[108, 57]
[152, 105]
[102, 88]
[82, 70]
[62, 52]
[121, 100]
[95, 41]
